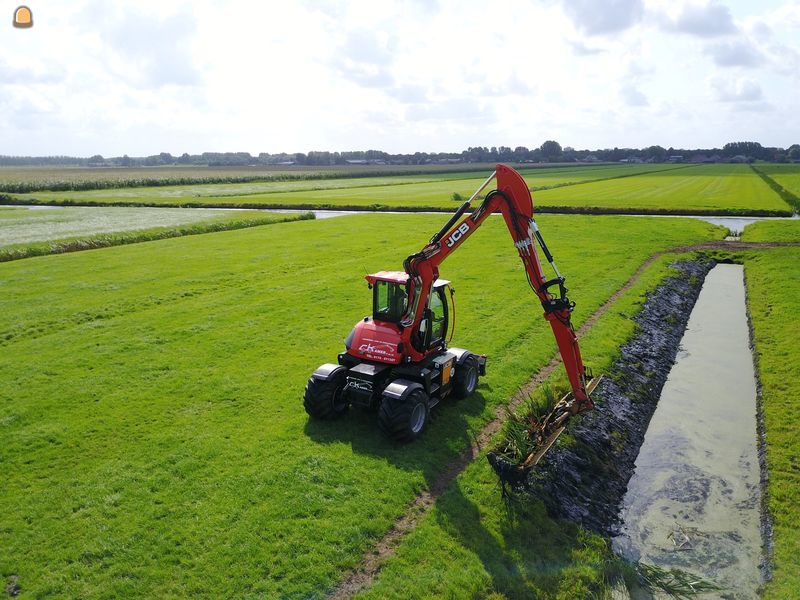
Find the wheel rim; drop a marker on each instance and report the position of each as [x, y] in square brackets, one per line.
[418, 417]
[472, 380]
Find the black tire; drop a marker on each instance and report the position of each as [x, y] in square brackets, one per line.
[404, 420]
[466, 378]
[323, 399]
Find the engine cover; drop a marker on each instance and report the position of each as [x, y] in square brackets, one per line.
[377, 341]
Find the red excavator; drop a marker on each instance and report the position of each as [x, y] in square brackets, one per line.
[398, 360]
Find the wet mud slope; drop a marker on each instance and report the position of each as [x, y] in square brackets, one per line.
[585, 481]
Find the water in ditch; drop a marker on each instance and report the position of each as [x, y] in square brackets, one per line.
[694, 501]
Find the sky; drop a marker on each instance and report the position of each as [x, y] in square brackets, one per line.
[139, 78]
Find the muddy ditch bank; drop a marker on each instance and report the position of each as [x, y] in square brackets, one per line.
[585, 481]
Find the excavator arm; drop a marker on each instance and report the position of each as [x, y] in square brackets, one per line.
[512, 199]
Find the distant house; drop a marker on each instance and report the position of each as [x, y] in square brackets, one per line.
[365, 161]
[739, 158]
[591, 158]
[676, 158]
[703, 159]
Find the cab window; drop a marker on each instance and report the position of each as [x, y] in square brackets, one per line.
[390, 301]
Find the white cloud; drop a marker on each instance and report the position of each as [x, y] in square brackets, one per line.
[738, 90]
[610, 16]
[632, 96]
[709, 19]
[738, 53]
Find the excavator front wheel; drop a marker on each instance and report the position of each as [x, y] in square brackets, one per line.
[404, 420]
[325, 399]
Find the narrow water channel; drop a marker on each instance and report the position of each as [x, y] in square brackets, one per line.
[694, 500]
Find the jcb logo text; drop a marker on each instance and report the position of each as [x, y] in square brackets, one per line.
[456, 235]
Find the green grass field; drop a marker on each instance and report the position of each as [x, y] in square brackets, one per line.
[723, 188]
[773, 284]
[154, 442]
[43, 178]
[29, 179]
[709, 189]
[772, 231]
[419, 190]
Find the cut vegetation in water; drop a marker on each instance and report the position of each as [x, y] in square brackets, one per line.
[694, 500]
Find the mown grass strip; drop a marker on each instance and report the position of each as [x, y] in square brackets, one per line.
[787, 196]
[105, 240]
[773, 297]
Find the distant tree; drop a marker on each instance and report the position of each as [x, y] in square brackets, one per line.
[551, 150]
[750, 149]
[657, 153]
[125, 161]
[793, 152]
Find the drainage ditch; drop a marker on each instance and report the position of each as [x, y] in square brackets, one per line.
[681, 490]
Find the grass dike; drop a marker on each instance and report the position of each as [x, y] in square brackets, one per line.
[584, 480]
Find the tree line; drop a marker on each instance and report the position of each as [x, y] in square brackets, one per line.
[549, 151]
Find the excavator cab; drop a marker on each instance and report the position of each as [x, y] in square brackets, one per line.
[390, 304]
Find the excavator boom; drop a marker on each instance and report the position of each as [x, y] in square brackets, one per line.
[512, 199]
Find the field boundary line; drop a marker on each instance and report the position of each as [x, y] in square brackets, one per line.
[366, 572]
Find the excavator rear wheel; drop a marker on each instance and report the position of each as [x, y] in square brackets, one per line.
[404, 420]
[466, 378]
[324, 399]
